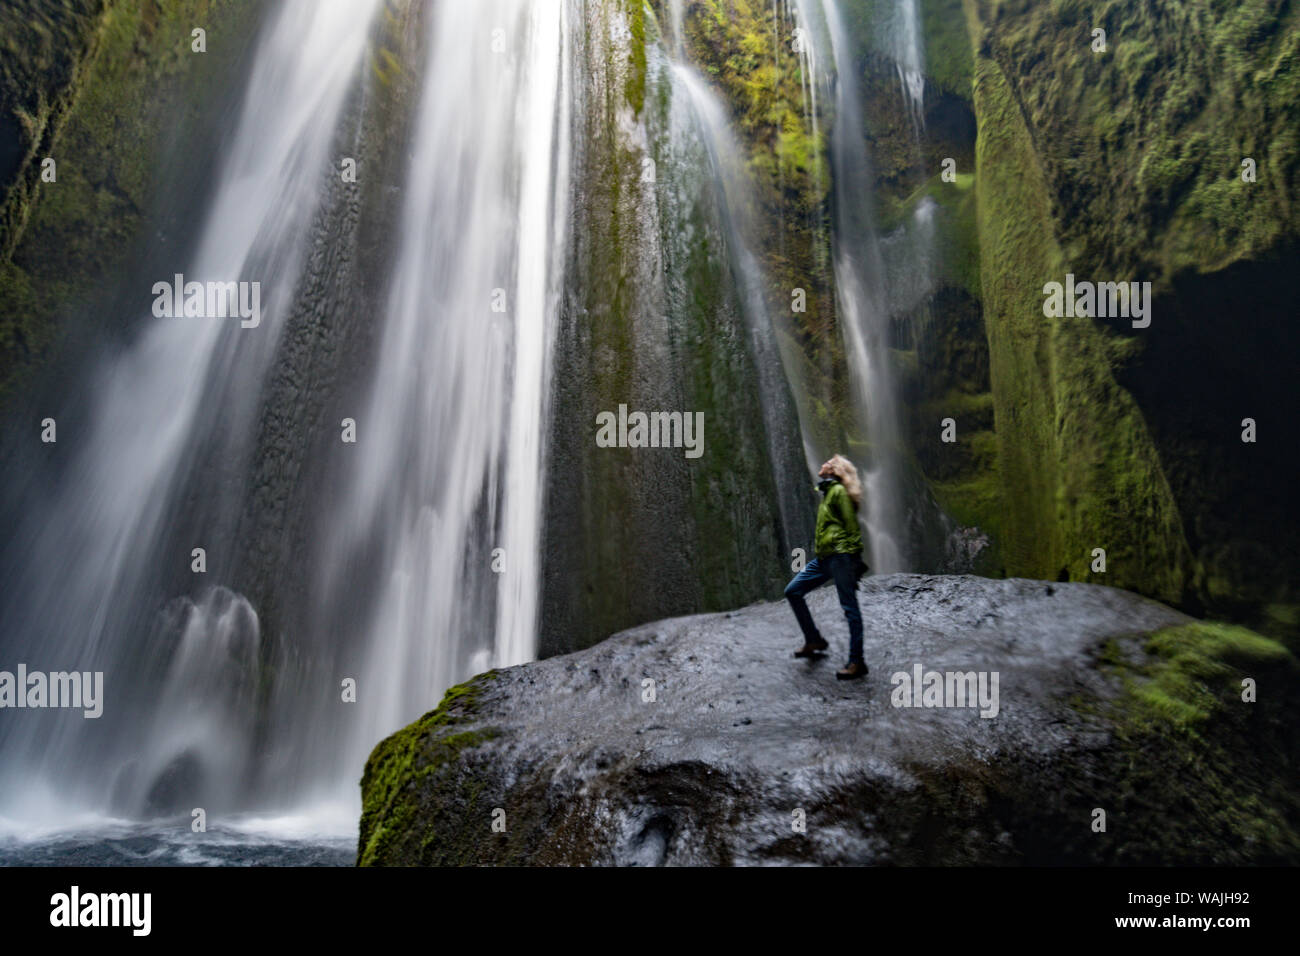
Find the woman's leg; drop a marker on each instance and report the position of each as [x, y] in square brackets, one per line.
[844, 568]
[813, 576]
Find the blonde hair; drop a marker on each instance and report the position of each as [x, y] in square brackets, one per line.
[848, 476]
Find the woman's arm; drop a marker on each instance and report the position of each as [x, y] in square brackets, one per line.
[845, 511]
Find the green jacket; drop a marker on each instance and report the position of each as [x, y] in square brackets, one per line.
[837, 523]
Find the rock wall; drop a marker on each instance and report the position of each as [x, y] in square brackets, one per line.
[112, 92]
[652, 319]
[1126, 164]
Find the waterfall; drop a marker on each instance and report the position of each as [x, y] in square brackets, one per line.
[866, 285]
[411, 546]
[920, 267]
[911, 252]
[424, 561]
[443, 490]
[808, 72]
[861, 294]
[86, 566]
[904, 32]
[739, 220]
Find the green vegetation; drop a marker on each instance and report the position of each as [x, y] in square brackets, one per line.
[1203, 666]
[636, 85]
[652, 320]
[402, 766]
[104, 88]
[949, 66]
[1179, 728]
[1141, 146]
[1127, 164]
[746, 51]
[45, 49]
[1078, 467]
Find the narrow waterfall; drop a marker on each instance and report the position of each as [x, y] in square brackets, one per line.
[86, 566]
[910, 250]
[739, 220]
[862, 297]
[905, 44]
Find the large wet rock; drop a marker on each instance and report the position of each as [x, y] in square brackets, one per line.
[1106, 702]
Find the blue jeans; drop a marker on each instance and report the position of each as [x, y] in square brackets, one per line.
[844, 569]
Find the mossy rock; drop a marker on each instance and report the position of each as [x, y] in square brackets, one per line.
[693, 741]
[420, 756]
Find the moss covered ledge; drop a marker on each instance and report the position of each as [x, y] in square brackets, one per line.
[392, 782]
[1179, 727]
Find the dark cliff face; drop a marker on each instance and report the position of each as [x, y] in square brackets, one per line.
[1122, 165]
[700, 740]
[1128, 166]
[45, 49]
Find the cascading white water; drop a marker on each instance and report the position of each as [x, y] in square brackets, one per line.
[860, 293]
[84, 562]
[912, 264]
[807, 50]
[738, 219]
[905, 41]
[909, 256]
[446, 476]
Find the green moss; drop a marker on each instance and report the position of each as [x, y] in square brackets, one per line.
[963, 476]
[636, 86]
[1180, 729]
[1142, 145]
[1079, 470]
[1202, 666]
[1286, 615]
[719, 496]
[948, 62]
[400, 765]
[1130, 167]
[745, 49]
[123, 85]
[45, 51]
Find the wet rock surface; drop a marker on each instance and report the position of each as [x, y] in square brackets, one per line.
[740, 743]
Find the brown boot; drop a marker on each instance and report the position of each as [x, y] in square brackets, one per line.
[854, 670]
[814, 648]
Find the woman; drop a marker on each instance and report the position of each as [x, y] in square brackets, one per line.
[839, 558]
